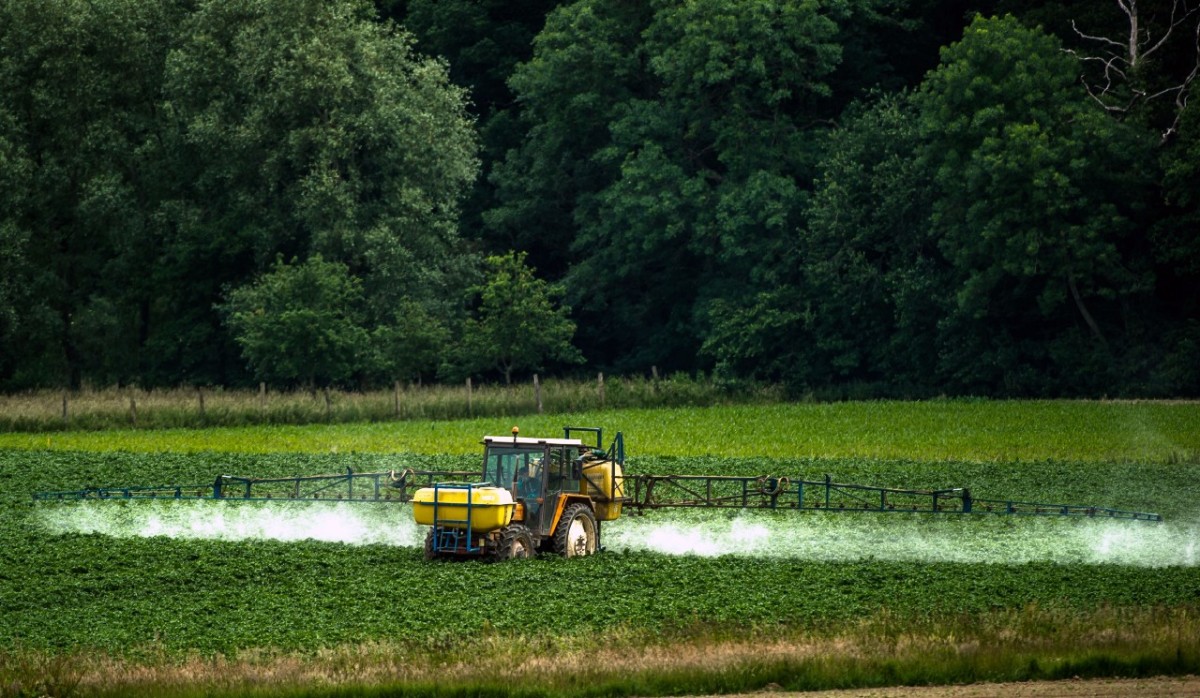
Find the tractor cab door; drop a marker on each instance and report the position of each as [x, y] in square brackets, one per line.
[563, 473]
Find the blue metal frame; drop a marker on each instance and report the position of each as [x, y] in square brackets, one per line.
[445, 537]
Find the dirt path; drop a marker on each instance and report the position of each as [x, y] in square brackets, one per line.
[1161, 687]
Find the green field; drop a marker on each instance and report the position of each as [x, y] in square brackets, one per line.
[995, 431]
[213, 596]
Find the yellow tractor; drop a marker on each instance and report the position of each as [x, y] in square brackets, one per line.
[536, 495]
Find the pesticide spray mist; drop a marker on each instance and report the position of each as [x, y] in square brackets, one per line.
[335, 522]
[781, 535]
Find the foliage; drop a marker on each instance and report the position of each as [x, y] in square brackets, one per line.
[1034, 211]
[183, 146]
[860, 299]
[517, 325]
[784, 191]
[300, 323]
[687, 162]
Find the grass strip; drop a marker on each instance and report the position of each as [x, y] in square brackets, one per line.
[1033, 643]
[202, 407]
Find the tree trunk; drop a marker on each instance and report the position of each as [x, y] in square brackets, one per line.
[1087, 316]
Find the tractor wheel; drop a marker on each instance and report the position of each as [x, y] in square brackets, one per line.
[576, 532]
[516, 543]
[429, 554]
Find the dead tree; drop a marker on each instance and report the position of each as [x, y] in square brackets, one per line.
[1121, 84]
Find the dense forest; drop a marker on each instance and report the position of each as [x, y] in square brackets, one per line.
[860, 197]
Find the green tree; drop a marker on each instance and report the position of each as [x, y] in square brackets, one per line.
[482, 41]
[856, 295]
[302, 323]
[1037, 191]
[310, 128]
[411, 345]
[78, 84]
[517, 325]
[668, 148]
[154, 153]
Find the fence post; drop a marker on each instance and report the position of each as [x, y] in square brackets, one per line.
[132, 409]
[200, 396]
[470, 407]
[65, 414]
[600, 387]
[537, 392]
[262, 396]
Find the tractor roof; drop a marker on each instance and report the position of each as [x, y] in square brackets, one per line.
[527, 442]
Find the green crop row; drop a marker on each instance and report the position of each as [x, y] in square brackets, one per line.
[986, 431]
[66, 591]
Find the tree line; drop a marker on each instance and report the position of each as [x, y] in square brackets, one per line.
[862, 197]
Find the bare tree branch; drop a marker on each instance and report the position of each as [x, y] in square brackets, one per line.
[1122, 87]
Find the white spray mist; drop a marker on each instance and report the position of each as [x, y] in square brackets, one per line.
[783, 535]
[340, 522]
[913, 538]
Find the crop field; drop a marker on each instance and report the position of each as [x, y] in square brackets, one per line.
[201, 597]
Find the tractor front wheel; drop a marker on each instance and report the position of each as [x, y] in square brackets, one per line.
[516, 543]
[576, 532]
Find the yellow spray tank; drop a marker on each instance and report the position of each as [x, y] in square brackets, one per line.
[446, 504]
[604, 481]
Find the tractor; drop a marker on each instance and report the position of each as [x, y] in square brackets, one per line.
[535, 495]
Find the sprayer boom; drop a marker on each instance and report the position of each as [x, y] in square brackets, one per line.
[645, 492]
[795, 493]
[348, 486]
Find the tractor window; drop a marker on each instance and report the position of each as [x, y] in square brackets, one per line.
[562, 477]
[503, 466]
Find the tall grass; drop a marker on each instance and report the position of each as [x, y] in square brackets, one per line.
[123, 408]
[1033, 643]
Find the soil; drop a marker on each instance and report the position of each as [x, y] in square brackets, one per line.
[1159, 687]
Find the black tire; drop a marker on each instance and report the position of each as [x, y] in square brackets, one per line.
[429, 554]
[516, 543]
[577, 533]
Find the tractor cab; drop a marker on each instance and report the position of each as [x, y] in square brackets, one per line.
[537, 472]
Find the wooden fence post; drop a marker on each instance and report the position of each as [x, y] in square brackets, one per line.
[537, 392]
[262, 396]
[470, 407]
[200, 396]
[132, 409]
[65, 414]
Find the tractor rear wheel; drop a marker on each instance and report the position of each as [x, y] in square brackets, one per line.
[576, 532]
[429, 553]
[516, 543]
